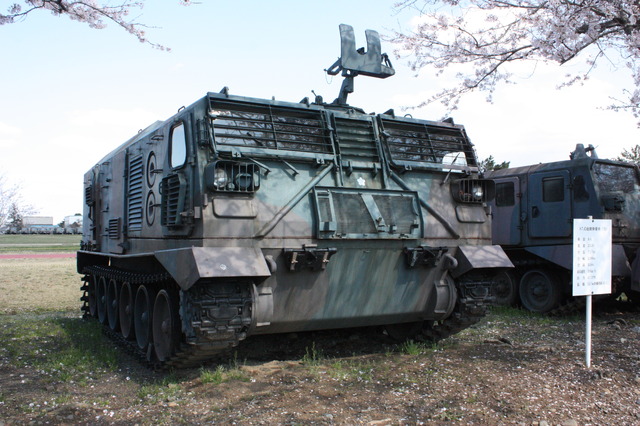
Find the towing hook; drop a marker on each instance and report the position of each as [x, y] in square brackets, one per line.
[449, 262]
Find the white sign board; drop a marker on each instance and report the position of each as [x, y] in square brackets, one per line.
[591, 256]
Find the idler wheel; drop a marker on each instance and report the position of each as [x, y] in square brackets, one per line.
[165, 323]
[539, 291]
[125, 310]
[112, 304]
[101, 295]
[142, 311]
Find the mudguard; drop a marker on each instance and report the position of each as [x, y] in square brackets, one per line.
[475, 257]
[188, 265]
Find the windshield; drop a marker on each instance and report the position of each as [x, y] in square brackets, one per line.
[615, 177]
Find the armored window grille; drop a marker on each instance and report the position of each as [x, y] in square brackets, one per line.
[347, 213]
[427, 143]
[246, 124]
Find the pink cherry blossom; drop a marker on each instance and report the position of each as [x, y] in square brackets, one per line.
[483, 39]
[94, 13]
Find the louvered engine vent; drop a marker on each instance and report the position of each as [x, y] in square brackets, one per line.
[134, 194]
[114, 228]
[88, 195]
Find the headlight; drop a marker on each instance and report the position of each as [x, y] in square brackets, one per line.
[243, 181]
[232, 176]
[221, 179]
[473, 191]
[477, 192]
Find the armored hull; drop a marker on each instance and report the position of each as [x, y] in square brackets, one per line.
[242, 216]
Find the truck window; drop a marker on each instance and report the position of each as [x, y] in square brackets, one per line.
[553, 189]
[178, 148]
[505, 194]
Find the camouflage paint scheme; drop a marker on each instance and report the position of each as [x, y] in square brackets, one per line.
[287, 217]
[533, 214]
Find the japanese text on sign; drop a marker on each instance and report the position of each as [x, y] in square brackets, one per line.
[591, 256]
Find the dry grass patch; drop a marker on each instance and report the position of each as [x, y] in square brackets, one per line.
[38, 284]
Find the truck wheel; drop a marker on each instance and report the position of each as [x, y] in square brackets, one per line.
[506, 289]
[539, 291]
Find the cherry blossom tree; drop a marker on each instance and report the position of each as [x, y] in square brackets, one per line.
[94, 13]
[11, 202]
[489, 164]
[483, 39]
[631, 155]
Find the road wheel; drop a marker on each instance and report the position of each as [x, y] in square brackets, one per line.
[142, 309]
[112, 304]
[166, 331]
[539, 291]
[101, 296]
[125, 311]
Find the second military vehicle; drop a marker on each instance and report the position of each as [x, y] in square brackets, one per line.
[240, 216]
[533, 214]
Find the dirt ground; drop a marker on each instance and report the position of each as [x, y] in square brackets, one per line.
[511, 368]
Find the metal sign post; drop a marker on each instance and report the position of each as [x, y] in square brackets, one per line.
[591, 265]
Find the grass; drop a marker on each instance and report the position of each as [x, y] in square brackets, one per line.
[39, 243]
[39, 285]
[222, 374]
[167, 388]
[342, 370]
[313, 356]
[410, 347]
[61, 349]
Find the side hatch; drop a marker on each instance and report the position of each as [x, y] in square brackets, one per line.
[549, 213]
[507, 221]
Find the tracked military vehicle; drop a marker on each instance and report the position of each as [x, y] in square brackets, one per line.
[240, 216]
[533, 214]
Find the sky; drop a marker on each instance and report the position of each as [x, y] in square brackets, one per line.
[70, 94]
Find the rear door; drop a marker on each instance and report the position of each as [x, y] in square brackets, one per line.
[550, 212]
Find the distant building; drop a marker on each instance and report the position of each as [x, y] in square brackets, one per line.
[74, 221]
[29, 221]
